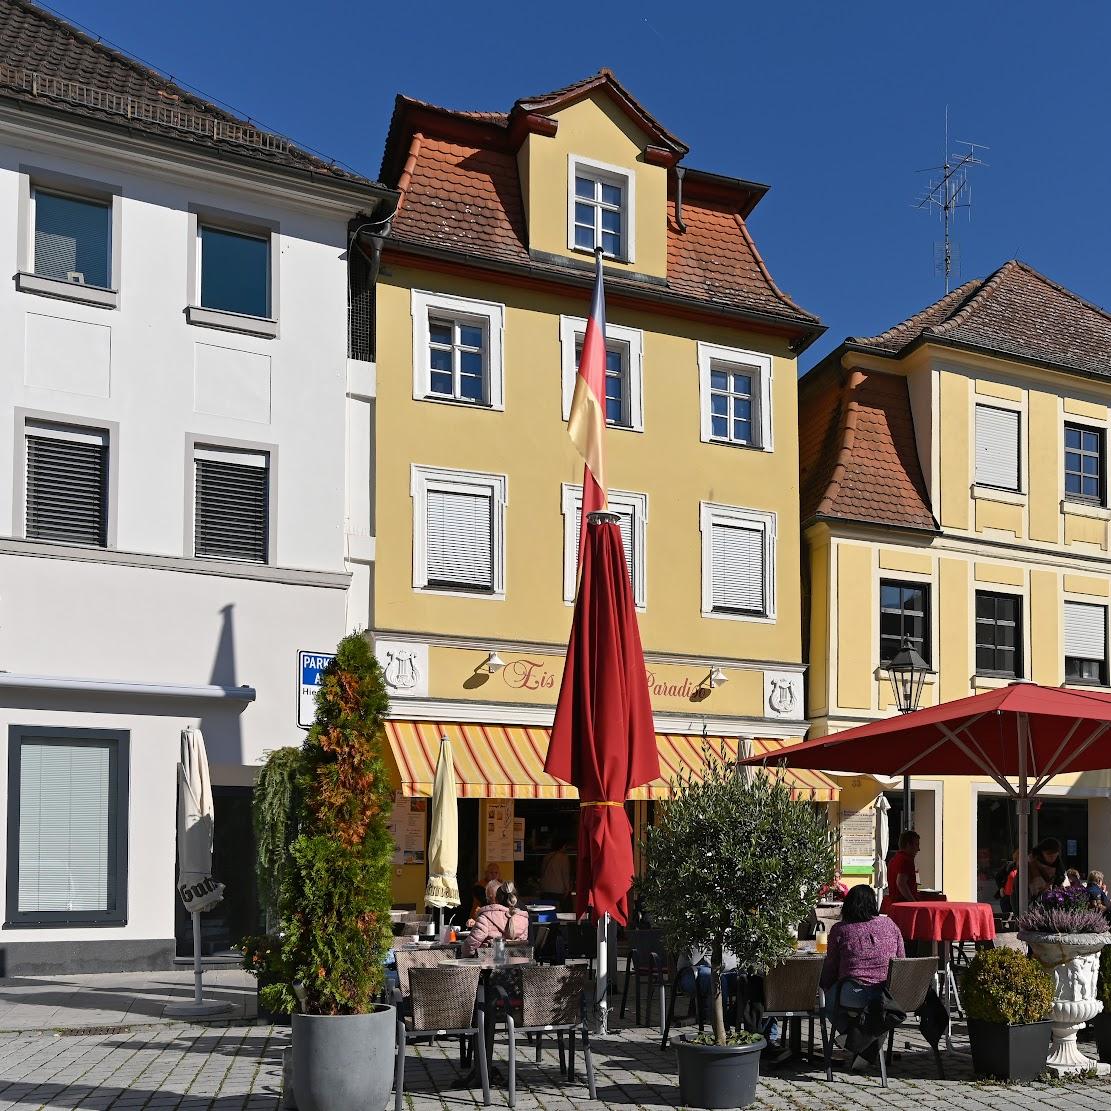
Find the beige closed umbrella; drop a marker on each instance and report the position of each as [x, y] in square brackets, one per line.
[442, 889]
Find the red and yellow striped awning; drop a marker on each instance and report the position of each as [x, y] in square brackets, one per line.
[507, 761]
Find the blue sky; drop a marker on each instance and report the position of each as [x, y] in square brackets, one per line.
[835, 105]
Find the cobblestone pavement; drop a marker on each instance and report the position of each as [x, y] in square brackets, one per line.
[236, 1067]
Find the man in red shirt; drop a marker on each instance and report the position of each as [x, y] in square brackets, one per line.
[902, 876]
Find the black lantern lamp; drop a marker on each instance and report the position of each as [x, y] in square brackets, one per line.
[907, 672]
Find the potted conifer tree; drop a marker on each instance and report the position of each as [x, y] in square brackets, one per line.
[334, 898]
[734, 863]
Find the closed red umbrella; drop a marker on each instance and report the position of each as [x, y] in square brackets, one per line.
[1023, 731]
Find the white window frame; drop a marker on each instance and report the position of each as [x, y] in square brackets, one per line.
[714, 513]
[489, 315]
[571, 507]
[572, 329]
[613, 175]
[1018, 412]
[1086, 600]
[494, 486]
[761, 367]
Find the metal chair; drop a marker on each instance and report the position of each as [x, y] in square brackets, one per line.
[646, 960]
[443, 1003]
[695, 1007]
[792, 991]
[909, 981]
[552, 1002]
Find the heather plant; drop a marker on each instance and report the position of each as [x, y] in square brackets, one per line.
[1004, 985]
[735, 863]
[1063, 910]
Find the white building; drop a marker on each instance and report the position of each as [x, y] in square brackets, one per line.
[177, 414]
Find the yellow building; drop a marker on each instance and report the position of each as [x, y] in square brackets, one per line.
[954, 490]
[484, 285]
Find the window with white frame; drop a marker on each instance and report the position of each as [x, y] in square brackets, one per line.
[459, 531]
[738, 562]
[735, 396]
[457, 350]
[624, 371]
[235, 271]
[600, 208]
[1085, 643]
[73, 238]
[66, 484]
[632, 513]
[231, 504]
[997, 447]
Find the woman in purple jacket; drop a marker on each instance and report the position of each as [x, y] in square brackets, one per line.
[861, 946]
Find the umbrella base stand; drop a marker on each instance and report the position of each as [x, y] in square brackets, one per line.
[198, 1007]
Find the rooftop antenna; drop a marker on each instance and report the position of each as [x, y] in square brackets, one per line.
[949, 191]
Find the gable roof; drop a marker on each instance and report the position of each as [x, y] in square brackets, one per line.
[461, 193]
[1016, 312]
[858, 458]
[49, 63]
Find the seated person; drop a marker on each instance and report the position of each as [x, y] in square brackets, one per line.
[860, 947]
[836, 891]
[501, 918]
[1097, 893]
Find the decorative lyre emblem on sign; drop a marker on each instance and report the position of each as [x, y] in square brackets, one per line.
[401, 671]
[782, 696]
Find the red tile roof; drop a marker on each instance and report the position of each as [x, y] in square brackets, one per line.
[857, 453]
[461, 192]
[1015, 312]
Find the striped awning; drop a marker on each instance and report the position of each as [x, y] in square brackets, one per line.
[507, 761]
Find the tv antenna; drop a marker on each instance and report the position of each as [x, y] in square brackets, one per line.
[947, 192]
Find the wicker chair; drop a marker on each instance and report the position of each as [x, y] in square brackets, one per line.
[551, 1003]
[791, 991]
[443, 1003]
[646, 960]
[409, 957]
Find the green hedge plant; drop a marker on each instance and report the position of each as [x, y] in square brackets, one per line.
[1005, 986]
[735, 863]
[330, 849]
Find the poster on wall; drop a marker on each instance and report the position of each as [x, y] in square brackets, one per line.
[518, 838]
[408, 829]
[499, 829]
[858, 842]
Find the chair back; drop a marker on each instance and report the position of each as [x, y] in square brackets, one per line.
[409, 958]
[793, 985]
[519, 949]
[909, 980]
[646, 944]
[443, 998]
[552, 994]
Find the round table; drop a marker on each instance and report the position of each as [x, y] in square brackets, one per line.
[938, 921]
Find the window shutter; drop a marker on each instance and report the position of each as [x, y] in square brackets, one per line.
[71, 236]
[64, 803]
[997, 447]
[232, 518]
[460, 539]
[738, 566]
[67, 484]
[1085, 631]
[624, 523]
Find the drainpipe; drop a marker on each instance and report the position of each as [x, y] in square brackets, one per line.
[679, 172]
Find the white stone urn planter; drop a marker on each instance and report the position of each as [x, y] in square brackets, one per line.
[1074, 961]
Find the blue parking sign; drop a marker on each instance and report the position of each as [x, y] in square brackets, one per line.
[310, 666]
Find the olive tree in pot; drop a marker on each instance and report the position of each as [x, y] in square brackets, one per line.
[733, 864]
[1007, 999]
[334, 900]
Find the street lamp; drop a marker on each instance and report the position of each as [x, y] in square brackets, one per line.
[907, 672]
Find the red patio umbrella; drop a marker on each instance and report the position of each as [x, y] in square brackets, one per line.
[603, 739]
[1022, 731]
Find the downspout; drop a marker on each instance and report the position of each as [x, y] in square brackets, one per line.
[679, 172]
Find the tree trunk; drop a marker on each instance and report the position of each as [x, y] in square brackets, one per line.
[715, 987]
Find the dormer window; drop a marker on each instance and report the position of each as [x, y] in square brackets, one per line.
[600, 209]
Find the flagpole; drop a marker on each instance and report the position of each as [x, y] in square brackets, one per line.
[603, 974]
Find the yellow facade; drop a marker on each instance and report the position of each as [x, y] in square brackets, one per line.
[1032, 543]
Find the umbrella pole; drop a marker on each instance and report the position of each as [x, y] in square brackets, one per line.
[603, 974]
[1023, 815]
[198, 974]
[908, 804]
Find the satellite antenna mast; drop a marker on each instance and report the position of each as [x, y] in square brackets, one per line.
[947, 193]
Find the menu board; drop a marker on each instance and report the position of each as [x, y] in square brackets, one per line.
[499, 829]
[518, 838]
[858, 841]
[408, 828]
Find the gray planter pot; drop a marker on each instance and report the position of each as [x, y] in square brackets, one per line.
[344, 1062]
[715, 1076]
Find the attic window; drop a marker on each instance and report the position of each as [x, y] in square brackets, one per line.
[600, 209]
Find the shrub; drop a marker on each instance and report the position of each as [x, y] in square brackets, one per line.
[276, 805]
[334, 899]
[734, 862]
[1063, 910]
[1003, 985]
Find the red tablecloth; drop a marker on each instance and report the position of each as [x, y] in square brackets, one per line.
[934, 921]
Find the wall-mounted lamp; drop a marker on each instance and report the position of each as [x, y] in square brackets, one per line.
[716, 678]
[494, 663]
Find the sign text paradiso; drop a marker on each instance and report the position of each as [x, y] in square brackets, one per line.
[533, 675]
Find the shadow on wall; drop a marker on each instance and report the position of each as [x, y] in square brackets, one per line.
[220, 724]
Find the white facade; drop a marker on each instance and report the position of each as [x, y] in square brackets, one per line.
[143, 612]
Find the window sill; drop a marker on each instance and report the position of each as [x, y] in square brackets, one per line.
[460, 403]
[991, 493]
[994, 682]
[624, 260]
[735, 444]
[232, 321]
[725, 615]
[478, 595]
[67, 291]
[1085, 509]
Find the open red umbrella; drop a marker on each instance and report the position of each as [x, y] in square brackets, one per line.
[1022, 731]
[603, 739]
